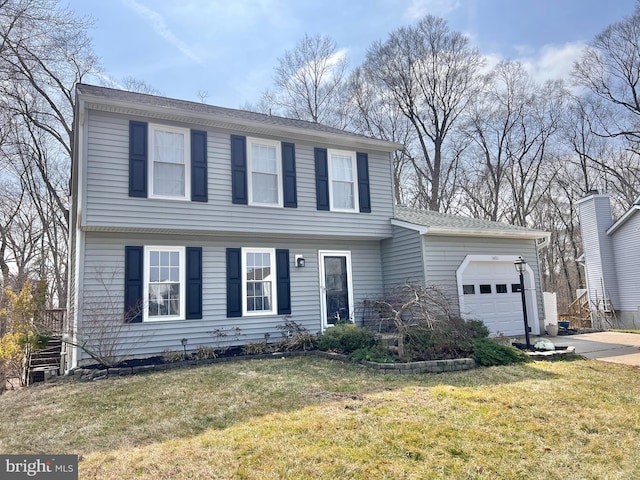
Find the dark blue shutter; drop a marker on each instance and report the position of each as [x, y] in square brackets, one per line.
[194, 283]
[322, 178]
[364, 197]
[284, 282]
[239, 169]
[133, 263]
[137, 159]
[199, 179]
[289, 175]
[234, 282]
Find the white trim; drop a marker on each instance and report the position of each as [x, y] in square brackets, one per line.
[323, 287]
[145, 275]
[354, 181]
[186, 156]
[274, 282]
[529, 277]
[623, 219]
[278, 148]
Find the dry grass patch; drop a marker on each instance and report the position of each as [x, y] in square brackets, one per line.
[311, 418]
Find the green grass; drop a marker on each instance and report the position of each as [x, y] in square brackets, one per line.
[313, 418]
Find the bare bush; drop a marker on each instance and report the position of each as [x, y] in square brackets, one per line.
[409, 307]
[105, 324]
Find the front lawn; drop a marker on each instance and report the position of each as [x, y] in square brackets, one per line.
[307, 417]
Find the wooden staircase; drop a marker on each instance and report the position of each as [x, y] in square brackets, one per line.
[44, 363]
[578, 314]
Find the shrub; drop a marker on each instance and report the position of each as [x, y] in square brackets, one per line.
[295, 337]
[376, 353]
[488, 353]
[346, 339]
[204, 352]
[256, 348]
[447, 339]
[173, 357]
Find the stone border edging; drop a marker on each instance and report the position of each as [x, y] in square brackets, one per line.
[431, 366]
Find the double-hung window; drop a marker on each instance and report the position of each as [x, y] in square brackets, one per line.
[169, 172]
[164, 286]
[264, 163]
[342, 181]
[259, 284]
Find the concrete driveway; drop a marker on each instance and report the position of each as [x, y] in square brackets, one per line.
[607, 346]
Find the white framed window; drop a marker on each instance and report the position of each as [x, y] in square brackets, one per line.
[342, 181]
[264, 166]
[170, 162]
[259, 281]
[164, 283]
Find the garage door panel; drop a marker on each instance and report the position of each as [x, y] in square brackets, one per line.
[501, 312]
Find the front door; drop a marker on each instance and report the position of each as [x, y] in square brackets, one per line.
[335, 283]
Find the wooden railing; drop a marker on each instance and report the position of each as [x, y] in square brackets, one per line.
[53, 320]
[578, 313]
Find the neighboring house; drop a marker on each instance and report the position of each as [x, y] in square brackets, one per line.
[612, 261]
[206, 224]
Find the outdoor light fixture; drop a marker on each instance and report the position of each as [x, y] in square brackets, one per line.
[521, 266]
[300, 261]
[184, 342]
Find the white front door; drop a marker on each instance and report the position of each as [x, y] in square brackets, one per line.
[336, 290]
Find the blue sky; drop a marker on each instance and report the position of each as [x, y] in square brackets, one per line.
[229, 48]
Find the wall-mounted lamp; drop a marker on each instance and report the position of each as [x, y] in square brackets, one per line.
[300, 261]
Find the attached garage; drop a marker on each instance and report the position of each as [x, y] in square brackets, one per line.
[472, 260]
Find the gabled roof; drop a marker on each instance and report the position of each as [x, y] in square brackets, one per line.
[627, 215]
[228, 118]
[428, 222]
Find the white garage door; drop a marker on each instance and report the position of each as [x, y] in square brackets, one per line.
[491, 293]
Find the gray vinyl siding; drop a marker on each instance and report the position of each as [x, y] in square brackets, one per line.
[444, 254]
[105, 254]
[626, 245]
[595, 219]
[109, 206]
[402, 257]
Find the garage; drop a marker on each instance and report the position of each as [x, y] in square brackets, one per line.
[489, 290]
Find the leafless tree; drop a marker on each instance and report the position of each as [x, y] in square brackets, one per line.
[430, 74]
[309, 83]
[44, 52]
[610, 70]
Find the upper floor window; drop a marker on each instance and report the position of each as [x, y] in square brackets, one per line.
[164, 283]
[169, 169]
[259, 284]
[264, 165]
[342, 181]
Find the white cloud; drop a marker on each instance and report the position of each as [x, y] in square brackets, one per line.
[420, 8]
[553, 62]
[160, 27]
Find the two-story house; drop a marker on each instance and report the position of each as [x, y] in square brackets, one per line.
[191, 223]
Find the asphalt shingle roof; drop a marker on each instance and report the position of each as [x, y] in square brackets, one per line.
[428, 218]
[147, 100]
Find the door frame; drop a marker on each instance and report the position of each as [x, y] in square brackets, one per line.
[323, 287]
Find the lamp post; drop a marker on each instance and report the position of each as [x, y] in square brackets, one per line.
[521, 266]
